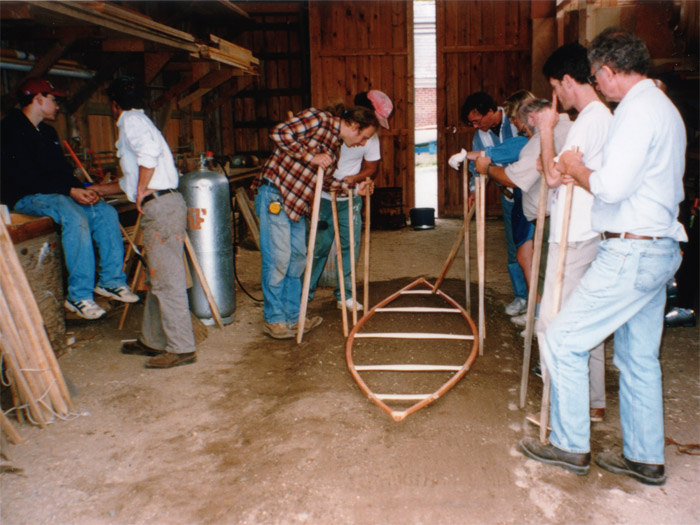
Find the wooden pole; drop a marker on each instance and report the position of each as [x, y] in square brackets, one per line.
[9, 430]
[35, 320]
[453, 252]
[203, 282]
[480, 252]
[467, 220]
[351, 243]
[89, 179]
[534, 283]
[339, 259]
[134, 282]
[365, 289]
[556, 304]
[315, 211]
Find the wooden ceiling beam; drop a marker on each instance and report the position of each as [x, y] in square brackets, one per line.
[154, 64]
[208, 82]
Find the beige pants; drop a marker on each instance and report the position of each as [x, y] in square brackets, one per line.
[579, 256]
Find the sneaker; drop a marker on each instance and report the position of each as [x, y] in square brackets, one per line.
[87, 308]
[348, 305]
[120, 293]
[518, 306]
[309, 324]
[519, 320]
[279, 331]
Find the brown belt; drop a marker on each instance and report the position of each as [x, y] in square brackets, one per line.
[611, 235]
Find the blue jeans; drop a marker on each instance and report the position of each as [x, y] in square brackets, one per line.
[517, 279]
[283, 250]
[325, 236]
[80, 226]
[624, 291]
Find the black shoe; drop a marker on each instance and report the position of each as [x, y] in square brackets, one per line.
[139, 348]
[170, 359]
[577, 463]
[644, 472]
[537, 370]
[679, 317]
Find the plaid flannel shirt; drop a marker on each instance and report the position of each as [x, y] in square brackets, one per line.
[310, 132]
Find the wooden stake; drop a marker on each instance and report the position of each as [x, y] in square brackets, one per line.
[47, 355]
[351, 234]
[203, 282]
[480, 252]
[315, 211]
[365, 288]
[534, 283]
[339, 264]
[467, 220]
[9, 430]
[453, 252]
[556, 304]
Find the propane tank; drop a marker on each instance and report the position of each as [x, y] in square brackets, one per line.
[209, 226]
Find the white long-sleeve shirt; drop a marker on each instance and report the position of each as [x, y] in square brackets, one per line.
[640, 184]
[142, 144]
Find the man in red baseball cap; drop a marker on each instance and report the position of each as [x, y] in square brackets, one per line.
[37, 180]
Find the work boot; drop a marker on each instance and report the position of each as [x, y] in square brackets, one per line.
[309, 324]
[646, 473]
[573, 462]
[278, 331]
[170, 359]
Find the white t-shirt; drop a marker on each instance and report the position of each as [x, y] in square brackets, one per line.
[524, 172]
[350, 161]
[589, 133]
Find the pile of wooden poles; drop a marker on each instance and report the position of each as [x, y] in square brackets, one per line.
[29, 363]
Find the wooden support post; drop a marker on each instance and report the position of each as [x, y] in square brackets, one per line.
[315, 211]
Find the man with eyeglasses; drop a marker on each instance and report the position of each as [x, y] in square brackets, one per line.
[636, 192]
[493, 127]
[36, 179]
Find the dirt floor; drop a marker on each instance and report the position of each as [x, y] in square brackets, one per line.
[263, 431]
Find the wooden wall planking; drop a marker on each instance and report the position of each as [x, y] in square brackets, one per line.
[368, 45]
[482, 46]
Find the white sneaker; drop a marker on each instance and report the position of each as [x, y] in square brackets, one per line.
[120, 293]
[348, 305]
[519, 320]
[518, 306]
[87, 308]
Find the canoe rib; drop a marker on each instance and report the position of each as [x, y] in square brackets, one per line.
[422, 400]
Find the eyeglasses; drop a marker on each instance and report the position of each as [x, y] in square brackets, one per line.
[475, 123]
[592, 80]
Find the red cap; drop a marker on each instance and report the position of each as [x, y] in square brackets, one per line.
[382, 106]
[34, 86]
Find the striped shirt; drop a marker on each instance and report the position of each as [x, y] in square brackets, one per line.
[309, 133]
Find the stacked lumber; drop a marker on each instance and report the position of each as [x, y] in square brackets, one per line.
[37, 384]
[137, 25]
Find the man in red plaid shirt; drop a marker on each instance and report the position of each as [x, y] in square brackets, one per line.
[285, 191]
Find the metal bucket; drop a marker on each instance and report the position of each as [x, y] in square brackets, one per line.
[209, 226]
[422, 218]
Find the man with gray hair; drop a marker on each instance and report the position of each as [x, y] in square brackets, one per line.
[636, 193]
